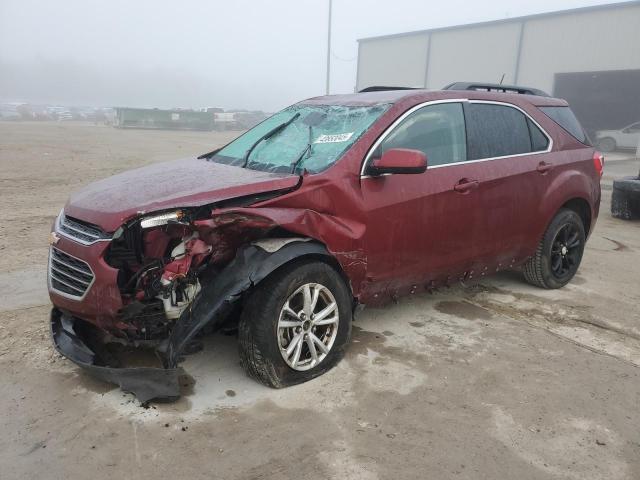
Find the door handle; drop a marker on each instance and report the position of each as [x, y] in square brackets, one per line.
[544, 167]
[465, 185]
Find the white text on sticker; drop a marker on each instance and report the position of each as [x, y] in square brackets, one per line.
[340, 137]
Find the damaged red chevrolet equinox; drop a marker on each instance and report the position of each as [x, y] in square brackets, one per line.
[334, 202]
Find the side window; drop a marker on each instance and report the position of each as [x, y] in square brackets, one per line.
[496, 131]
[437, 130]
[564, 117]
[539, 141]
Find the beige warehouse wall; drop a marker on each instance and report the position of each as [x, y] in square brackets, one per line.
[479, 54]
[398, 61]
[587, 41]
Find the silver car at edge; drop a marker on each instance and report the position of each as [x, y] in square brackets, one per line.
[627, 137]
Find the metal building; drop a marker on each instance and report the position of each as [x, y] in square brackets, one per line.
[590, 56]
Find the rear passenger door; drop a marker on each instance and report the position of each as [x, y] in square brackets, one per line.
[508, 155]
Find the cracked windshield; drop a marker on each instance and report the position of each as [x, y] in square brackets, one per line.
[310, 137]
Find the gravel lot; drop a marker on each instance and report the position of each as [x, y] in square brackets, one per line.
[491, 380]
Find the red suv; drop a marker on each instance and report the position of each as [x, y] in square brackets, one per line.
[334, 202]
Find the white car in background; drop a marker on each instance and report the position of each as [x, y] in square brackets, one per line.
[627, 137]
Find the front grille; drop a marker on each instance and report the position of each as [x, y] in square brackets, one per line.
[69, 275]
[81, 232]
[121, 256]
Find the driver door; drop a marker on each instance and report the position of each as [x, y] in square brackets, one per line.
[420, 227]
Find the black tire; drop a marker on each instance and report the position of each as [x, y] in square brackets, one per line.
[607, 144]
[542, 269]
[259, 343]
[625, 198]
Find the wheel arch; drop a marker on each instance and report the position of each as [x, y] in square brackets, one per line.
[319, 252]
[582, 207]
[575, 190]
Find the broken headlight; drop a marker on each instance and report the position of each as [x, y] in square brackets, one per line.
[161, 219]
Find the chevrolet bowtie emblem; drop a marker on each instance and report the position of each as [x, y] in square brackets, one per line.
[54, 238]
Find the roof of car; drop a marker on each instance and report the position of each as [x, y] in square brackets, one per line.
[381, 97]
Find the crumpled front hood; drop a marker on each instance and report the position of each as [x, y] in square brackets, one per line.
[182, 183]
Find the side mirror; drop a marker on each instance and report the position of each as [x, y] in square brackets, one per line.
[399, 160]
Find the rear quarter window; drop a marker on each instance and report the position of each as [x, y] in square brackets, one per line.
[564, 117]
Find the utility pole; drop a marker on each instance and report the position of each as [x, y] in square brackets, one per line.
[329, 49]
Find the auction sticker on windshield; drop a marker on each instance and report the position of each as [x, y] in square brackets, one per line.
[337, 138]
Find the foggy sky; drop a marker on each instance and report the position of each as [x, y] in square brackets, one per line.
[233, 54]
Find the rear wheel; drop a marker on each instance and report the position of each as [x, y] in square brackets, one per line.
[607, 144]
[295, 325]
[559, 253]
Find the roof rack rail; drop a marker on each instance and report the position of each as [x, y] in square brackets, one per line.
[495, 87]
[380, 88]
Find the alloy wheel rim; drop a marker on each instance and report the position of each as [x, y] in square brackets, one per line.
[565, 251]
[307, 326]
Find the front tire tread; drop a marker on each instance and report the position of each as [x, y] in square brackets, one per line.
[259, 353]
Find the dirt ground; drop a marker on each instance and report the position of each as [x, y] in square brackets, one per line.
[490, 380]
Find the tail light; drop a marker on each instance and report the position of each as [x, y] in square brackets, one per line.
[598, 162]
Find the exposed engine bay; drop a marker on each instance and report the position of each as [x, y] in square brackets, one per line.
[161, 258]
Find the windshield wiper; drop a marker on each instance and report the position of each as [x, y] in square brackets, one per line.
[275, 130]
[210, 154]
[306, 151]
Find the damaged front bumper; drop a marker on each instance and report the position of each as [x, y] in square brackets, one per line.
[252, 263]
[146, 383]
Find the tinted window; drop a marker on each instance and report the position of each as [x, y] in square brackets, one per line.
[437, 130]
[564, 117]
[496, 131]
[539, 141]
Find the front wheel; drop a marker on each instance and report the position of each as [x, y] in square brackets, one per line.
[295, 325]
[559, 252]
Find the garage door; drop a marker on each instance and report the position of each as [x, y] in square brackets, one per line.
[601, 100]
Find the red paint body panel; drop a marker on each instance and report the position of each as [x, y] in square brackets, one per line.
[391, 234]
[189, 182]
[103, 299]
